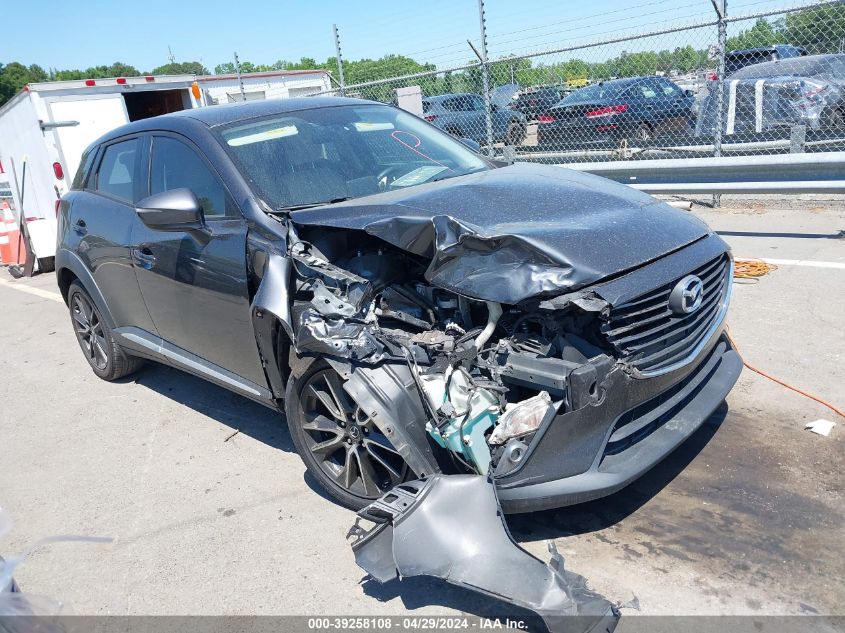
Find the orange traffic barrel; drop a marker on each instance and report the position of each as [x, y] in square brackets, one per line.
[10, 236]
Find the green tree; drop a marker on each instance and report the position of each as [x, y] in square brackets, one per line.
[14, 76]
[181, 68]
[820, 30]
[762, 33]
[117, 69]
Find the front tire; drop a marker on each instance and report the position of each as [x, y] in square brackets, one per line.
[340, 446]
[105, 357]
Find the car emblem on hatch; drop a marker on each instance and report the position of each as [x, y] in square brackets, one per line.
[686, 296]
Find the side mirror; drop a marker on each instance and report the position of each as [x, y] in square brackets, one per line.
[473, 145]
[174, 210]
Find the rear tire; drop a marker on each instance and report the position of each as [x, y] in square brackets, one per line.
[105, 357]
[644, 132]
[515, 134]
[836, 119]
[341, 448]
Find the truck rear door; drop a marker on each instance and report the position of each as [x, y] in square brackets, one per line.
[96, 114]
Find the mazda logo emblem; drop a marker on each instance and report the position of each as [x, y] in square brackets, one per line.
[687, 295]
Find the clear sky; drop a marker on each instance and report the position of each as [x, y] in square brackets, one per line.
[82, 33]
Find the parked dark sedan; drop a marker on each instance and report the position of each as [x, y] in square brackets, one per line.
[533, 103]
[806, 91]
[638, 108]
[412, 307]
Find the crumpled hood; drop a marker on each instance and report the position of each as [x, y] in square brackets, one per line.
[520, 231]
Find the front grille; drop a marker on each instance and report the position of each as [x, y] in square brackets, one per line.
[652, 338]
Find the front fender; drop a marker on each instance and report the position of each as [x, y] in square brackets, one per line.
[271, 320]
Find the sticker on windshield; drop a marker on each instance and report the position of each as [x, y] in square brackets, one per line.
[365, 126]
[266, 135]
[417, 176]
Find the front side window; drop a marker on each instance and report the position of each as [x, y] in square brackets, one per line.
[647, 90]
[323, 155]
[116, 175]
[474, 103]
[669, 89]
[176, 165]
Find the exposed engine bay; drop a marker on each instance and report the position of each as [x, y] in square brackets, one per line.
[486, 375]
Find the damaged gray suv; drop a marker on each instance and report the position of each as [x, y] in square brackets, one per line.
[413, 307]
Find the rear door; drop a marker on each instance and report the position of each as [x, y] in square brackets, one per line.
[653, 105]
[101, 221]
[195, 282]
[677, 106]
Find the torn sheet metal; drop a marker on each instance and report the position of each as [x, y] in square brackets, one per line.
[573, 229]
[388, 395]
[451, 527]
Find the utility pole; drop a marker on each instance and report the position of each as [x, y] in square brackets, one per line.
[240, 79]
[721, 7]
[339, 61]
[485, 79]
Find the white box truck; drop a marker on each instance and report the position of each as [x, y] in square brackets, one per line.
[48, 125]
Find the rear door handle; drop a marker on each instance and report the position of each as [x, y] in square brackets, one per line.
[143, 257]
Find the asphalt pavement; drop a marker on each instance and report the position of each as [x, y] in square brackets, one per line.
[745, 518]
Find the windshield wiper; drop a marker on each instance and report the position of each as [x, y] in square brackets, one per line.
[309, 205]
[456, 175]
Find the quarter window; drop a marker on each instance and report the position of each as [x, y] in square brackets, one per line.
[116, 175]
[175, 165]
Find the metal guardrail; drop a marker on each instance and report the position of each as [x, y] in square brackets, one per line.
[785, 173]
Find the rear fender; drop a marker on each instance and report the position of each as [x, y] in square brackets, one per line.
[68, 260]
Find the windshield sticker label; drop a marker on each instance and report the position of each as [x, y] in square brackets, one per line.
[417, 176]
[266, 135]
[364, 126]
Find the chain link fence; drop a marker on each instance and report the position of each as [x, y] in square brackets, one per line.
[766, 82]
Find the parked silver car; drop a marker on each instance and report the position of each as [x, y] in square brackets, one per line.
[463, 115]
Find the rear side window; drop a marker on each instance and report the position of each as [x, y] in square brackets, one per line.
[84, 168]
[116, 175]
[177, 165]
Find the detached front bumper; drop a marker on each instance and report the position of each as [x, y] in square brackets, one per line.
[597, 450]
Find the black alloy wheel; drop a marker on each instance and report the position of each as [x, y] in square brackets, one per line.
[89, 331]
[339, 443]
[108, 360]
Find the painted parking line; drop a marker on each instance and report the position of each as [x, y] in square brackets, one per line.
[798, 262]
[38, 292]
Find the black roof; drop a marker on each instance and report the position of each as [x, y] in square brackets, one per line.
[439, 98]
[766, 49]
[212, 116]
[232, 112]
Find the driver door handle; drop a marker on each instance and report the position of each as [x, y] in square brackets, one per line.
[143, 257]
[80, 227]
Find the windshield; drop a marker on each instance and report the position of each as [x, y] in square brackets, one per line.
[325, 155]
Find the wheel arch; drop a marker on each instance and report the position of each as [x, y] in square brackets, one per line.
[70, 268]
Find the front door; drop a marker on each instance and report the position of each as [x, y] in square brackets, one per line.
[195, 282]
